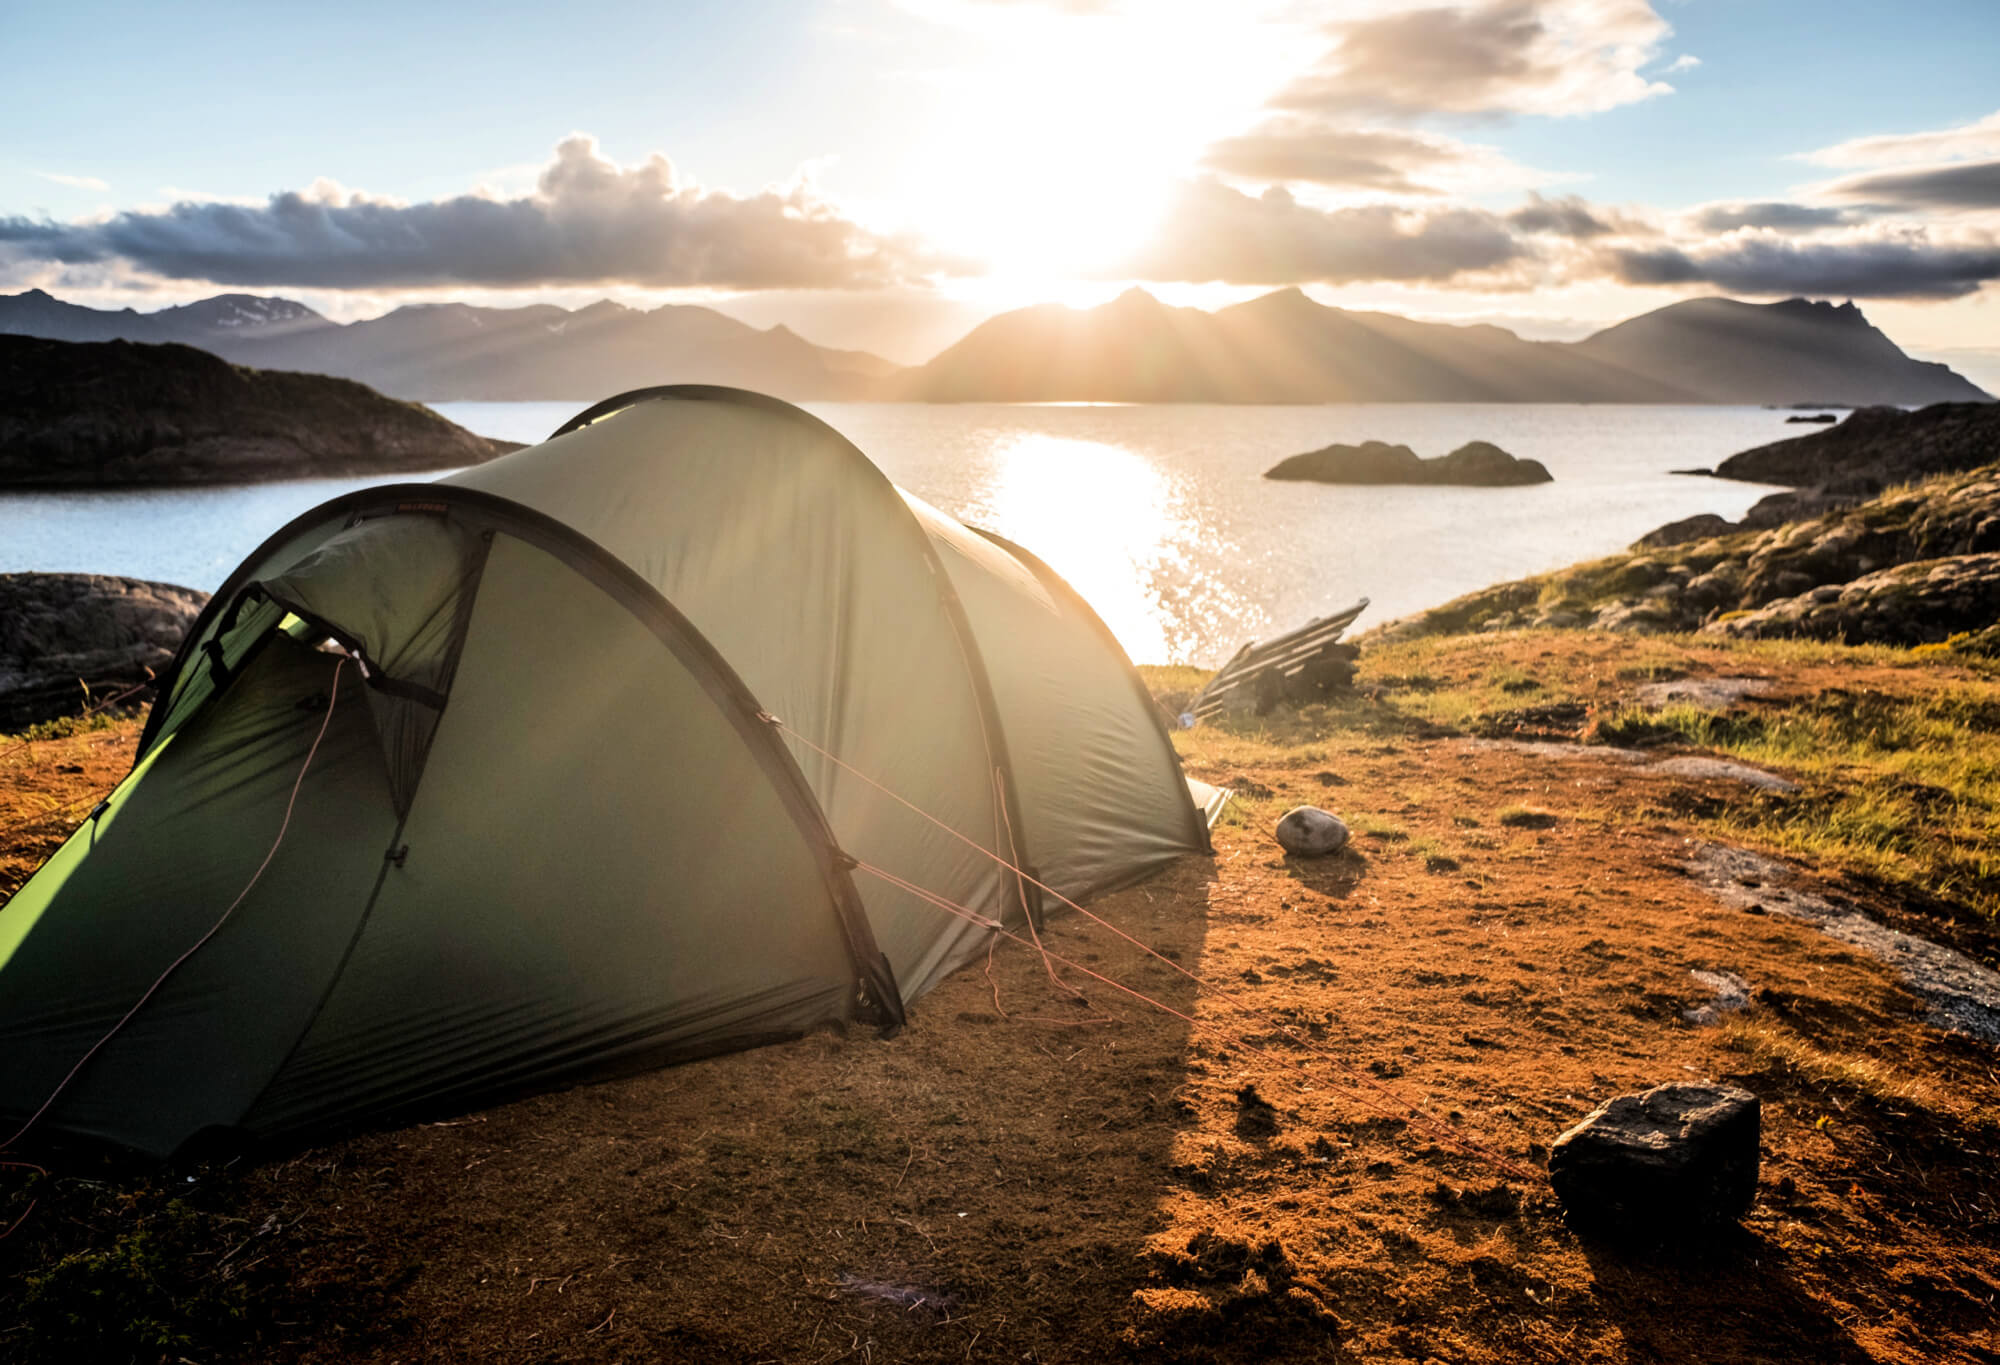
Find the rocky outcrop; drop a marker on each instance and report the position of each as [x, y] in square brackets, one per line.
[1876, 448]
[1917, 565]
[105, 413]
[1910, 604]
[1702, 526]
[1477, 463]
[68, 639]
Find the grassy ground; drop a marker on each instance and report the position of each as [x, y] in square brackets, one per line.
[1508, 941]
[1897, 751]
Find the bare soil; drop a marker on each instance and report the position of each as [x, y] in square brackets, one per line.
[1019, 1176]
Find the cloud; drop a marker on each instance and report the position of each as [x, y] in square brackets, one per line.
[1504, 56]
[1968, 141]
[1569, 216]
[1303, 151]
[1771, 215]
[75, 182]
[1215, 233]
[1687, 61]
[588, 221]
[1955, 185]
[1902, 268]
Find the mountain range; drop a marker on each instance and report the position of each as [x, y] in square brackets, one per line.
[1280, 348]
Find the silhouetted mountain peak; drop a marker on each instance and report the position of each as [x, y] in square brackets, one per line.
[1819, 310]
[1291, 303]
[240, 311]
[1795, 351]
[1283, 347]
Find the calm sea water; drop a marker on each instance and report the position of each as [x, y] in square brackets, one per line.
[1157, 514]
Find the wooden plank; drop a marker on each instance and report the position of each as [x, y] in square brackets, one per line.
[1284, 656]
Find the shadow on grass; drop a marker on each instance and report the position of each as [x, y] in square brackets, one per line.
[1737, 1303]
[985, 1182]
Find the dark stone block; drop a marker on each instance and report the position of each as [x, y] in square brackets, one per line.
[1675, 1161]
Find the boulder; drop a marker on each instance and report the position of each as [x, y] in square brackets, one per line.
[1807, 504]
[1705, 526]
[1640, 616]
[1713, 588]
[1674, 1161]
[1309, 832]
[63, 633]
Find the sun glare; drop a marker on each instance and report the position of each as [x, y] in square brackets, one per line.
[1055, 153]
[1104, 518]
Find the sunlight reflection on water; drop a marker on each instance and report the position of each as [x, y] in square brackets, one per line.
[1113, 524]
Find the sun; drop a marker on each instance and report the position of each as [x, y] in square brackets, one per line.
[1055, 153]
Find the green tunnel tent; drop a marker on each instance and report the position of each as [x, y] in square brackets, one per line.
[550, 830]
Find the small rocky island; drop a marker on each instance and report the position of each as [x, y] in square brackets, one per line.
[95, 414]
[1479, 464]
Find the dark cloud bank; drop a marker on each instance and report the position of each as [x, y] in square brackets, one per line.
[1875, 270]
[1960, 185]
[589, 221]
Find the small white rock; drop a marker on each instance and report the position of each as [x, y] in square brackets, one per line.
[1309, 832]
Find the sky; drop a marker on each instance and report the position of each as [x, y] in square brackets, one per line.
[884, 173]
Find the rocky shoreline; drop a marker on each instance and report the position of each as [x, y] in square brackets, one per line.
[1859, 555]
[1917, 565]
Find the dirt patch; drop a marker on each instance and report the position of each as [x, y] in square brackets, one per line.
[1324, 1166]
[48, 786]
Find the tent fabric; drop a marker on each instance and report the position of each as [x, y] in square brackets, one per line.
[1100, 791]
[400, 589]
[797, 559]
[552, 831]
